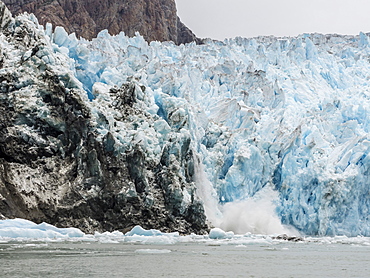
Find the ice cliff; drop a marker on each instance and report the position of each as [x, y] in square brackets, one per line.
[103, 165]
[255, 133]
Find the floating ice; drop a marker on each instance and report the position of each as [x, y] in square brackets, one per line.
[20, 228]
[217, 233]
[139, 231]
[153, 251]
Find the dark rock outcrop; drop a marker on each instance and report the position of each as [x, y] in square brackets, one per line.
[55, 166]
[154, 19]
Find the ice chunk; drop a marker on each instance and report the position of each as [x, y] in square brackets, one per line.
[139, 231]
[153, 251]
[49, 30]
[20, 228]
[364, 40]
[5, 15]
[217, 233]
[60, 36]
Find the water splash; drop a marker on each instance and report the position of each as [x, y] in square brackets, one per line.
[256, 215]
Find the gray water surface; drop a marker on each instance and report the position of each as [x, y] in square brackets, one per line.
[94, 259]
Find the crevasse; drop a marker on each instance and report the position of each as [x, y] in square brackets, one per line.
[286, 118]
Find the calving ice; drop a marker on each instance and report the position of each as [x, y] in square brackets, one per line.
[264, 135]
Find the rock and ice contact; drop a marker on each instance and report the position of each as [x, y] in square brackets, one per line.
[270, 134]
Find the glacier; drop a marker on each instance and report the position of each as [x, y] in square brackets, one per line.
[105, 165]
[277, 127]
[288, 115]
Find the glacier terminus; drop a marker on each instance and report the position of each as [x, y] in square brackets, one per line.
[287, 114]
[263, 135]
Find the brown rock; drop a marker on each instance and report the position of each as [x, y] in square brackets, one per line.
[155, 20]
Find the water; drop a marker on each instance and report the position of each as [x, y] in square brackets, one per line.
[201, 259]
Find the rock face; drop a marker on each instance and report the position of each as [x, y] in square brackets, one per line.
[56, 167]
[154, 19]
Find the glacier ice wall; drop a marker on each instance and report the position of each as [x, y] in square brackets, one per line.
[104, 165]
[291, 114]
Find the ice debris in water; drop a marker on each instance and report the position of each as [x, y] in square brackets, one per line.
[26, 231]
[153, 251]
[217, 233]
[139, 231]
[21, 228]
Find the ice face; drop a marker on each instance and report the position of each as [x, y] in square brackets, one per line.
[122, 154]
[288, 115]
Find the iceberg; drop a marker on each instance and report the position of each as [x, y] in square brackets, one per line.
[217, 233]
[139, 231]
[21, 228]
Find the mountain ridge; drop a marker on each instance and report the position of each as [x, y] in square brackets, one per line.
[155, 20]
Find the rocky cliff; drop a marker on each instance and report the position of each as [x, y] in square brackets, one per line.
[154, 19]
[57, 166]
